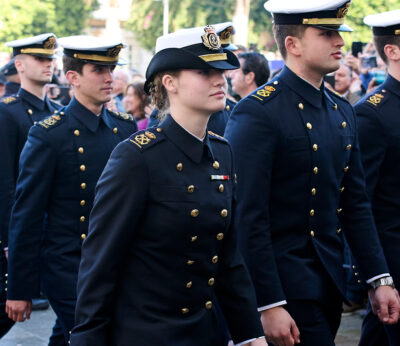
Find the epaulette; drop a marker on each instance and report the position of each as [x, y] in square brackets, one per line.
[265, 93]
[334, 92]
[123, 116]
[9, 99]
[146, 138]
[215, 136]
[375, 99]
[52, 120]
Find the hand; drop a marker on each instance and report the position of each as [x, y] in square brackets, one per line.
[385, 303]
[148, 110]
[19, 310]
[6, 253]
[353, 62]
[279, 327]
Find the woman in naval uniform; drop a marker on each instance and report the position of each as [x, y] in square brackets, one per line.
[161, 248]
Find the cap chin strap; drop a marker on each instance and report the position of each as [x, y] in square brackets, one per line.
[95, 57]
[38, 51]
[323, 21]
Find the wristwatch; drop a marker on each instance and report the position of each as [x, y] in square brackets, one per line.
[386, 281]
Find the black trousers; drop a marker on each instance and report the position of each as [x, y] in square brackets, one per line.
[375, 333]
[318, 323]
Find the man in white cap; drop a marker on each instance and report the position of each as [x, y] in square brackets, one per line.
[379, 133]
[33, 62]
[301, 182]
[59, 167]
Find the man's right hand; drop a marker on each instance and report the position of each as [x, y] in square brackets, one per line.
[19, 310]
[279, 327]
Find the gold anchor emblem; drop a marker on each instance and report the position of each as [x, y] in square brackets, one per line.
[142, 139]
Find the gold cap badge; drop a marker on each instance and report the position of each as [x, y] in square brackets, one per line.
[210, 38]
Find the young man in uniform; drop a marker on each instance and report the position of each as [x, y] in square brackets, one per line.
[300, 182]
[33, 62]
[379, 133]
[59, 168]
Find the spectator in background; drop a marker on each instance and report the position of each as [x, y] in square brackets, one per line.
[3, 82]
[120, 82]
[253, 72]
[135, 102]
[343, 80]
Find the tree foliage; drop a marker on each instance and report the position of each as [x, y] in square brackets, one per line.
[147, 18]
[21, 18]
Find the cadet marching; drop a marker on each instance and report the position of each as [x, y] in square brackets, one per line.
[220, 221]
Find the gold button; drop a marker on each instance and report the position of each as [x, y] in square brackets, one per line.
[83, 186]
[339, 210]
[359, 281]
[341, 189]
[313, 191]
[216, 165]
[348, 147]
[309, 126]
[62, 113]
[190, 262]
[82, 168]
[179, 167]
[344, 124]
[83, 202]
[214, 259]
[227, 107]
[353, 266]
[312, 234]
[315, 147]
[159, 129]
[276, 82]
[194, 213]
[383, 90]
[83, 236]
[221, 188]
[335, 107]
[220, 236]
[115, 130]
[312, 212]
[211, 282]
[193, 239]
[76, 132]
[189, 284]
[224, 213]
[190, 188]
[208, 305]
[80, 150]
[301, 106]
[185, 311]
[30, 111]
[82, 218]
[339, 230]
[315, 170]
[346, 169]
[35, 122]
[356, 274]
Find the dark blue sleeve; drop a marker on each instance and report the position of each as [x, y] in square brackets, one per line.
[36, 172]
[8, 171]
[254, 139]
[373, 144]
[235, 290]
[120, 200]
[357, 219]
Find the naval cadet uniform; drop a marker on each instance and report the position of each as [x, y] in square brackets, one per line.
[161, 248]
[216, 124]
[19, 110]
[59, 167]
[300, 182]
[379, 133]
